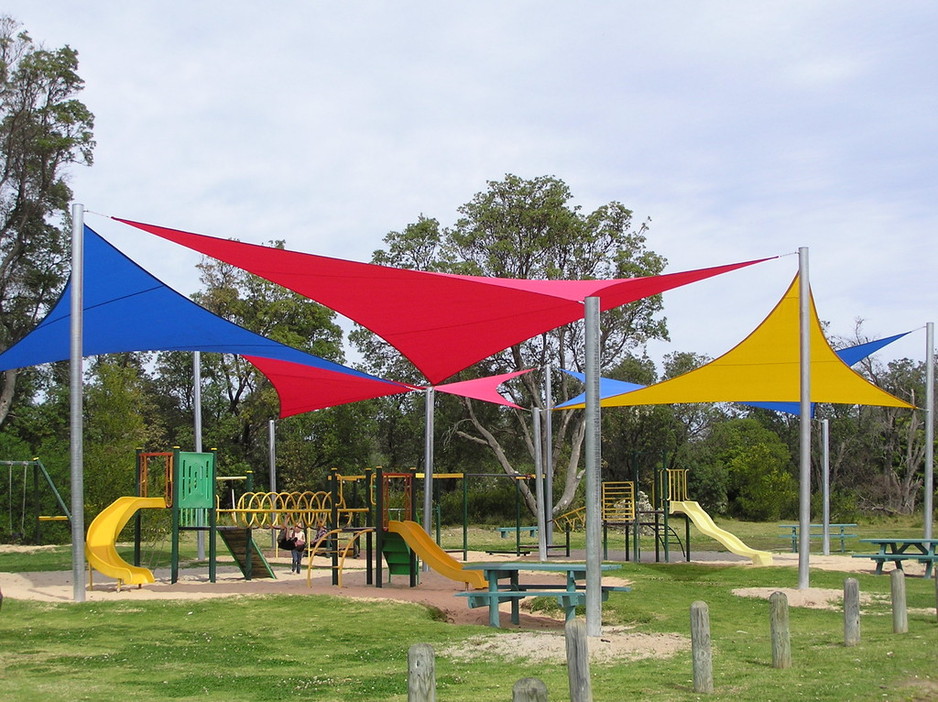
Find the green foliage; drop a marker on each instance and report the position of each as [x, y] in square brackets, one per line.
[753, 465]
[43, 131]
[492, 501]
[119, 421]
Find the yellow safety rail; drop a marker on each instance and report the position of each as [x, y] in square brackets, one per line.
[618, 500]
[572, 520]
[312, 550]
[273, 509]
[677, 484]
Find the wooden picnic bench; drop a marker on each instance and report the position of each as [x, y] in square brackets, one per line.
[568, 595]
[898, 549]
[837, 531]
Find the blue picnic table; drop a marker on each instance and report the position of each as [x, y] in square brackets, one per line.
[898, 549]
[837, 531]
[569, 594]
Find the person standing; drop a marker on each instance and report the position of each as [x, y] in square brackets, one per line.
[298, 536]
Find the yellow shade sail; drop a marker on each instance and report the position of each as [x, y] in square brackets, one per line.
[765, 367]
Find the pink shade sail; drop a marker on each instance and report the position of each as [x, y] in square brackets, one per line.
[485, 389]
[442, 323]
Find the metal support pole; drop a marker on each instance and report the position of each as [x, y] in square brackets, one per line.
[826, 486]
[549, 453]
[928, 504]
[428, 464]
[76, 394]
[272, 460]
[539, 485]
[804, 502]
[593, 457]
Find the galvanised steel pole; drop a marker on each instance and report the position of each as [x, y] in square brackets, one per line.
[76, 394]
[928, 504]
[428, 464]
[549, 453]
[826, 486]
[804, 503]
[593, 462]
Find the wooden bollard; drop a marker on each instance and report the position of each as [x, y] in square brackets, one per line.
[851, 612]
[529, 690]
[578, 661]
[781, 636]
[700, 647]
[900, 616]
[421, 676]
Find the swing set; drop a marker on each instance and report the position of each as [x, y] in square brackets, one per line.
[30, 508]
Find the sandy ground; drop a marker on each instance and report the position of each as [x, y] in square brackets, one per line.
[538, 636]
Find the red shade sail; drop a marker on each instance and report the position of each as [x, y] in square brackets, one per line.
[442, 323]
[302, 388]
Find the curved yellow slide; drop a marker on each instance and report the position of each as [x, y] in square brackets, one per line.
[102, 535]
[705, 524]
[435, 557]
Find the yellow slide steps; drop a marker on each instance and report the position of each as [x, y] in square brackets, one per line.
[102, 535]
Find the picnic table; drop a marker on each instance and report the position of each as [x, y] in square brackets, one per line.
[898, 549]
[837, 531]
[505, 531]
[569, 594]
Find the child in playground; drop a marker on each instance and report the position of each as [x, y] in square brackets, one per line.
[294, 538]
[298, 535]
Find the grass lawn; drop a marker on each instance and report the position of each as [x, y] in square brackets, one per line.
[319, 647]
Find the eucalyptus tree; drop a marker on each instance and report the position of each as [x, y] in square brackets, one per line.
[44, 130]
[519, 228]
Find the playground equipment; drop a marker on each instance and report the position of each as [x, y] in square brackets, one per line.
[679, 504]
[18, 496]
[619, 509]
[100, 542]
[402, 541]
[187, 483]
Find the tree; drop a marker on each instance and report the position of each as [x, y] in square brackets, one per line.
[530, 229]
[120, 418]
[43, 131]
[753, 464]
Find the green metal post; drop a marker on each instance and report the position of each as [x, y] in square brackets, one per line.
[138, 528]
[465, 518]
[334, 516]
[174, 557]
[517, 517]
[213, 519]
[636, 526]
[379, 524]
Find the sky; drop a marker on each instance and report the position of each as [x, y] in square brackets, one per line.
[740, 130]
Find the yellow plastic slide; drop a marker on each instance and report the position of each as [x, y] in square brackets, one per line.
[705, 524]
[102, 535]
[435, 557]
